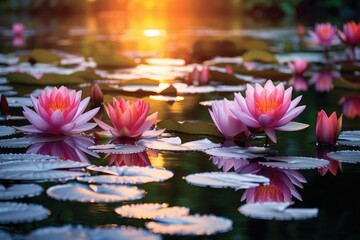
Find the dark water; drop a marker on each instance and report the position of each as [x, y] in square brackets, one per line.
[334, 196]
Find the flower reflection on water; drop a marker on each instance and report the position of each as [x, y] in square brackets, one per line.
[350, 106]
[65, 147]
[321, 152]
[140, 159]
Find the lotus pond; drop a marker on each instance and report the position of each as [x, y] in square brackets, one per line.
[189, 181]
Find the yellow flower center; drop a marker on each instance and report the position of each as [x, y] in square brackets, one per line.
[58, 105]
[266, 105]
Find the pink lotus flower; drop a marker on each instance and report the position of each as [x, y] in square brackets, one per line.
[129, 120]
[299, 83]
[65, 148]
[282, 186]
[268, 108]
[198, 77]
[350, 34]
[58, 111]
[18, 29]
[351, 106]
[227, 123]
[324, 35]
[228, 69]
[327, 128]
[298, 66]
[96, 94]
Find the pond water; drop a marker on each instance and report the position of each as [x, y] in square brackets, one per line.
[332, 192]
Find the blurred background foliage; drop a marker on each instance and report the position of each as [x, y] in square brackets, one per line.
[306, 11]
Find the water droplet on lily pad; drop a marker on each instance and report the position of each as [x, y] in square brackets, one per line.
[151, 210]
[127, 175]
[226, 180]
[347, 156]
[84, 233]
[190, 225]
[13, 212]
[6, 131]
[19, 191]
[94, 193]
[276, 211]
[295, 162]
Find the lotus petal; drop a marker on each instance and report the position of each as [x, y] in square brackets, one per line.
[19, 191]
[295, 162]
[276, 211]
[94, 193]
[19, 101]
[174, 144]
[226, 180]
[190, 225]
[345, 156]
[84, 233]
[127, 175]
[12, 212]
[6, 131]
[151, 210]
[24, 157]
[117, 148]
[237, 152]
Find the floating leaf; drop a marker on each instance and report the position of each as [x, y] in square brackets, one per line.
[94, 193]
[140, 81]
[237, 152]
[174, 144]
[190, 225]
[114, 61]
[19, 101]
[24, 157]
[343, 83]
[259, 56]
[12, 212]
[277, 211]
[4, 88]
[6, 131]
[46, 79]
[166, 98]
[127, 175]
[226, 78]
[42, 56]
[226, 180]
[79, 232]
[345, 156]
[5, 236]
[117, 148]
[15, 142]
[350, 135]
[151, 210]
[203, 128]
[295, 163]
[19, 191]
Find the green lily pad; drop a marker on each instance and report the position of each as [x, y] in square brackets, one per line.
[140, 81]
[259, 56]
[226, 78]
[114, 61]
[203, 128]
[343, 83]
[46, 79]
[42, 56]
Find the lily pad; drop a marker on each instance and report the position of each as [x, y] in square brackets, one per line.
[4, 88]
[203, 128]
[114, 61]
[19, 101]
[190, 225]
[166, 98]
[259, 56]
[94, 193]
[277, 211]
[24, 157]
[6, 131]
[350, 135]
[295, 163]
[42, 56]
[127, 175]
[84, 233]
[151, 210]
[12, 212]
[346, 156]
[237, 152]
[226, 180]
[19, 191]
[117, 148]
[45, 79]
[174, 144]
[5, 236]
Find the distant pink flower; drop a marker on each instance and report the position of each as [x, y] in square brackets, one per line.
[198, 77]
[228, 69]
[227, 123]
[268, 108]
[298, 66]
[129, 119]
[351, 106]
[58, 111]
[18, 41]
[299, 83]
[327, 128]
[323, 80]
[67, 148]
[350, 34]
[324, 35]
[282, 186]
[300, 30]
[96, 94]
[18, 29]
